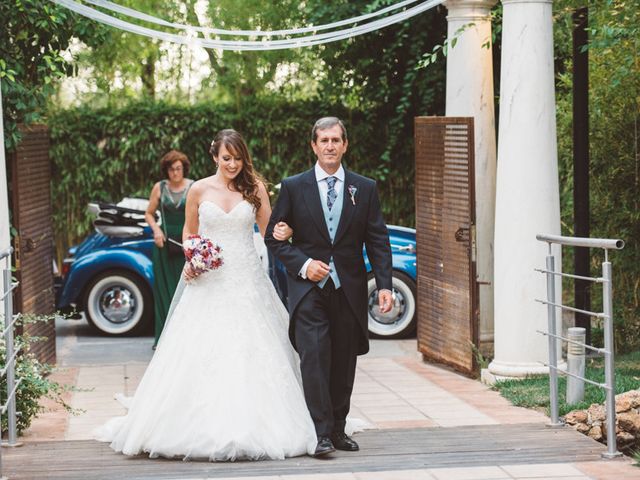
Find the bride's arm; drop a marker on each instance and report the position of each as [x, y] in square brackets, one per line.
[191, 220]
[191, 224]
[263, 214]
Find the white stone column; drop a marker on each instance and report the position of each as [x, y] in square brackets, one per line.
[527, 195]
[470, 94]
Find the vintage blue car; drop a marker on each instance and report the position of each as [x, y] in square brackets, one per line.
[109, 275]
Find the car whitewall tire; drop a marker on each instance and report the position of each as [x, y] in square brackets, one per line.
[117, 303]
[401, 321]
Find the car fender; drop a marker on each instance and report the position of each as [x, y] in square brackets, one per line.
[405, 263]
[85, 268]
[403, 250]
[402, 262]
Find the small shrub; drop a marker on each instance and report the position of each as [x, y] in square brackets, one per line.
[35, 383]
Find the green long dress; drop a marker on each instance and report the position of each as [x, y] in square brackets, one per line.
[167, 268]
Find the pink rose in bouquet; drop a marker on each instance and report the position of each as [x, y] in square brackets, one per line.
[202, 254]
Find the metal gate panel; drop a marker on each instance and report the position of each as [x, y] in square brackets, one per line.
[32, 210]
[445, 234]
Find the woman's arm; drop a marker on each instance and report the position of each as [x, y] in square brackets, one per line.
[150, 216]
[191, 220]
[191, 224]
[264, 213]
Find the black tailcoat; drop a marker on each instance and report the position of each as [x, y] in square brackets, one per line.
[361, 224]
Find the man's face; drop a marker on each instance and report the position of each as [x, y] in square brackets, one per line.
[329, 148]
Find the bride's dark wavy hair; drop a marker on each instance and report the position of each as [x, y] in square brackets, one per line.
[247, 181]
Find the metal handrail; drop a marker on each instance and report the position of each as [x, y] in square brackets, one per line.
[606, 315]
[13, 322]
[11, 289]
[573, 342]
[606, 243]
[11, 359]
[573, 309]
[564, 372]
[11, 398]
[8, 371]
[6, 252]
[568, 275]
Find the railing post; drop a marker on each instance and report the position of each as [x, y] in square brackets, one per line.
[11, 370]
[553, 357]
[575, 365]
[607, 314]
[609, 373]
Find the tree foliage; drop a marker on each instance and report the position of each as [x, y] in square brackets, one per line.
[148, 67]
[379, 71]
[614, 55]
[33, 36]
[378, 74]
[372, 80]
[614, 131]
[242, 74]
[124, 64]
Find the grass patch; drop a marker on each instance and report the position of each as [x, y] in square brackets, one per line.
[533, 392]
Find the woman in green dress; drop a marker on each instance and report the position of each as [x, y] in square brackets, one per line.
[169, 197]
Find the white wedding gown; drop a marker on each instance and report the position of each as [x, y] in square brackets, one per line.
[224, 382]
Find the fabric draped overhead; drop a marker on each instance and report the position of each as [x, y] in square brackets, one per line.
[191, 33]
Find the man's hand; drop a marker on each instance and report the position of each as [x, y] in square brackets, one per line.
[317, 270]
[385, 301]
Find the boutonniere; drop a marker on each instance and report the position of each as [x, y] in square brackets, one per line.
[352, 193]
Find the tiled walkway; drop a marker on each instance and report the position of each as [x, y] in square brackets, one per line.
[397, 391]
[394, 389]
[513, 472]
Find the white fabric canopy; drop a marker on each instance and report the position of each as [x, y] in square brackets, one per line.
[253, 33]
[191, 38]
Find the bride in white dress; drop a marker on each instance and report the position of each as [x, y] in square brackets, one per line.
[224, 382]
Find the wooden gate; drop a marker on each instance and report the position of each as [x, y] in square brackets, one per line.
[445, 224]
[31, 216]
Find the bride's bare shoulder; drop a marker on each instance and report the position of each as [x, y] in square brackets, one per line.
[262, 188]
[199, 187]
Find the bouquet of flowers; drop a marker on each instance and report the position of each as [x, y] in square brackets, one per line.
[202, 254]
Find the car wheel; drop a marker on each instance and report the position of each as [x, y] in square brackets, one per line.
[118, 302]
[400, 322]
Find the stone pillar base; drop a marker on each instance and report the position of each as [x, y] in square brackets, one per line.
[500, 371]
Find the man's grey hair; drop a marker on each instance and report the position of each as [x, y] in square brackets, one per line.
[327, 122]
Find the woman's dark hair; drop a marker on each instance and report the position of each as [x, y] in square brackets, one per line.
[172, 157]
[248, 179]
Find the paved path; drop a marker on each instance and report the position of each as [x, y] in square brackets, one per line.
[394, 390]
[489, 448]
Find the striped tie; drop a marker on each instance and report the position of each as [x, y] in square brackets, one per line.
[331, 193]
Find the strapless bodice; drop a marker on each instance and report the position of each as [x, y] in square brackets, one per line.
[233, 232]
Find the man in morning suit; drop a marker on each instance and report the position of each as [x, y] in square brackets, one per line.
[333, 212]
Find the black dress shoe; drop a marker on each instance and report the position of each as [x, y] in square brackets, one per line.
[324, 447]
[343, 442]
